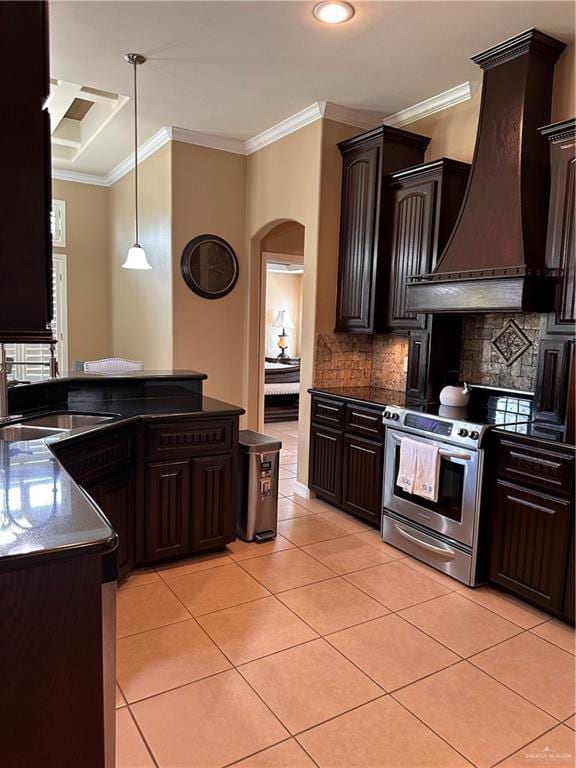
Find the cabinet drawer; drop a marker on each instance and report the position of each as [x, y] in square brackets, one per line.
[326, 411]
[98, 457]
[188, 438]
[539, 467]
[364, 421]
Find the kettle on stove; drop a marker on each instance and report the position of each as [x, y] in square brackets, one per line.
[455, 394]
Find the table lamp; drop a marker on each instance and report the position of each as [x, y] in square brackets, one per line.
[283, 321]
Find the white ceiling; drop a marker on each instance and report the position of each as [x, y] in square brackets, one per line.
[237, 68]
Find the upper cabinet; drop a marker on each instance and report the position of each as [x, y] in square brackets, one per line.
[363, 275]
[25, 249]
[422, 205]
[561, 240]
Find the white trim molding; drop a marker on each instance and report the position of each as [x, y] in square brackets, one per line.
[363, 119]
[208, 140]
[302, 490]
[434, 104]
[284, 128]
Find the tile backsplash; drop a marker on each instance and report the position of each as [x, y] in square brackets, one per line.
[357, 360]
[482, 363]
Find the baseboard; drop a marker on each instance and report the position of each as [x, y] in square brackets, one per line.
[302, 490]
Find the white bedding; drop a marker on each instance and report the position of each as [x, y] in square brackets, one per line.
[290, 388]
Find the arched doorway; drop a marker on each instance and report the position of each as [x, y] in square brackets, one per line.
[277, 266]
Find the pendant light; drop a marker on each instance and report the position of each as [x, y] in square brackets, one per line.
[136, 257]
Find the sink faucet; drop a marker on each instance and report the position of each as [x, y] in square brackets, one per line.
[4, 407]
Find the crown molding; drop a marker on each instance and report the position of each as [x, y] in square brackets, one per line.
[434, 104]
[359, 118]
[154, 143]
[79, 178]
[208, 140]
[321, 109]
[285, 127]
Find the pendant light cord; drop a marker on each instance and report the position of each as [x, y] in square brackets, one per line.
[136, 153]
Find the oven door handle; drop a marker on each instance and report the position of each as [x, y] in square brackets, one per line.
[446, 454]
[446, 552]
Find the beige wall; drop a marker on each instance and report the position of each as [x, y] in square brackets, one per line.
[283, 183]
[142, 300]
[283, 291]
[209, 197]
[285, 238]
[88, 269]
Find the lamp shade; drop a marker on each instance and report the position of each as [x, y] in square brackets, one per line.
[136, 258]
[283, 320]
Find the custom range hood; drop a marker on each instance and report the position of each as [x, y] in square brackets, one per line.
[494, 259]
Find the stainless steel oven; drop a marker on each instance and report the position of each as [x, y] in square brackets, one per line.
[454, 514]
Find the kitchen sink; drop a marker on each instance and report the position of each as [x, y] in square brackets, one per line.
[25, 432]
[64, 421]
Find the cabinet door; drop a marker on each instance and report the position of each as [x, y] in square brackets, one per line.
[325, 473]
[362, 481]
[358, 240]
[26, 282]
[412, 236]
[529, 544]
[570, 576]
[115, 496]
[214, 501]
[417, 373]
[167, 532]
[552, 380]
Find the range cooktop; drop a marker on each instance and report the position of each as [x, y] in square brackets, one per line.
[467, 425]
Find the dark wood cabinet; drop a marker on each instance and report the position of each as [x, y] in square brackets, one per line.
[362, 478]
[556, 356]
[346, 459]
[115, 496]
[168, 488]
[561, 237]
[325, 463]
[530, 511]
[424, 202]
[25, 240]
[167, 526]
[530, 544]
[212, 499]
[364, 269]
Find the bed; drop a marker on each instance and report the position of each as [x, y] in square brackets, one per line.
[281, 391]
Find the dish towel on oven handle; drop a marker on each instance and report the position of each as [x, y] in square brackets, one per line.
[427, 471]
[407, 467]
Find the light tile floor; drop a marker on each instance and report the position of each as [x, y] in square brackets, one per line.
[329, 648]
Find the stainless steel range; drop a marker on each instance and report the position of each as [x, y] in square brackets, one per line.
[444, 533]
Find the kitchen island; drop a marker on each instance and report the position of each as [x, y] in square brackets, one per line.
[153, 478]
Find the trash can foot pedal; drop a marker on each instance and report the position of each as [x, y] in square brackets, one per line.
[264, 536]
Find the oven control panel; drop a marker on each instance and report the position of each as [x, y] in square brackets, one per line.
[426, 424]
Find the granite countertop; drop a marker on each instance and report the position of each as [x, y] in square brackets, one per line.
[371, 395]
[43, 512]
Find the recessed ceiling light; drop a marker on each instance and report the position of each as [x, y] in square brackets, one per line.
[333, 12]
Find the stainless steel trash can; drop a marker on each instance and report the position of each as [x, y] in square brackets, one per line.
[259, 463]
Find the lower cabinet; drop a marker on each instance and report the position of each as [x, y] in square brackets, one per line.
[345, 467]
[531, 522]
[213, 491]
[115, 496]
[167, 509]
[530, 541]
[325, 476]
[362, 478]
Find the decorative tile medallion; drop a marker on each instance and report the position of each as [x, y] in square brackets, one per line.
[511, 342]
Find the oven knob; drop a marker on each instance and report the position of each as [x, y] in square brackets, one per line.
[474, 435]
[387, 415]
[462, 432]
[395, 417]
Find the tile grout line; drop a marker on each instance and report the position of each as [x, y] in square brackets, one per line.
[549, 730]
[144, 741]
